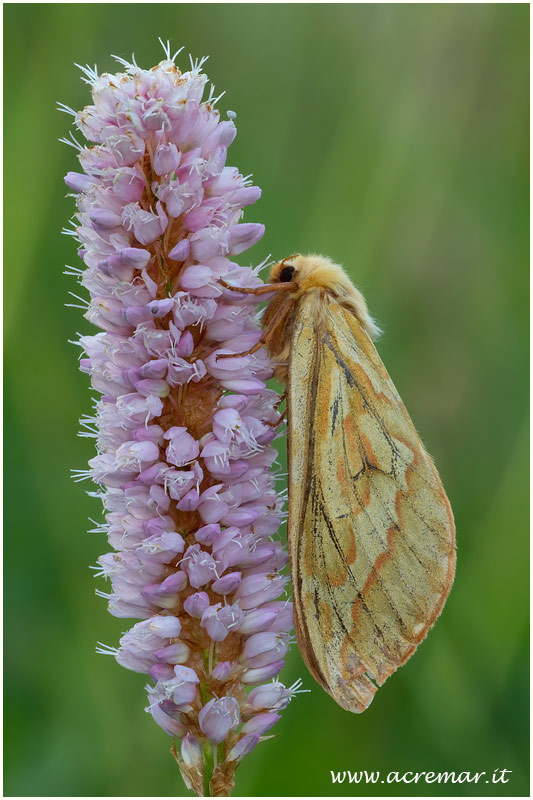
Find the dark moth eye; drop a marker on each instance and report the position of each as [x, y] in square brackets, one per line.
[285, 276]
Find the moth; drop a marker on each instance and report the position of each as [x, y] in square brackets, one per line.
[371, 533]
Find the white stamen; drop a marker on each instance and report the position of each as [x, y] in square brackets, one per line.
[90, 72]
[72, 142]
[66, 109]
[106, 649]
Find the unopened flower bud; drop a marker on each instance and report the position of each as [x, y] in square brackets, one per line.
[191, 751]
[243, 747]
[260, 723]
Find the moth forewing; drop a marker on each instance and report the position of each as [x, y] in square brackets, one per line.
[370, 530]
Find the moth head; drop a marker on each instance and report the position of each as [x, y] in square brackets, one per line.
[286, 270]
[311, 272]
[314, 273]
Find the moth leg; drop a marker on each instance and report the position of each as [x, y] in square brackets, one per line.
[265, 336]
[281, 399]
[282, 417]
[257, 346]
[264, 289]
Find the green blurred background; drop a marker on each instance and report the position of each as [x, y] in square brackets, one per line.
[393, 138]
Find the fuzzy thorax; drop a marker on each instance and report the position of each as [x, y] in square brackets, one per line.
[320, 280]
[314, 273]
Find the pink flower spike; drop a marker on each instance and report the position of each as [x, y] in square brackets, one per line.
[183, 437]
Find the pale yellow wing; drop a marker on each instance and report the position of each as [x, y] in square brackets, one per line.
[371, 532]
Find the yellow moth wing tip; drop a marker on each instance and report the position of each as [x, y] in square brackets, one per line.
[355, 697]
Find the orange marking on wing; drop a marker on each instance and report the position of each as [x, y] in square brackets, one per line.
[371, 458]
[341, 472]
[408, 652]
[409, 474]
[338, 578]
[380, 560]
[450, 571]
[364, 381]
[351, 551]
[350, 429]
[366, 497]
[415, 450]
[326, 620]
[352, 666]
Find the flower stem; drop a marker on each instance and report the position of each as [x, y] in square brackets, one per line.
[209, 767]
